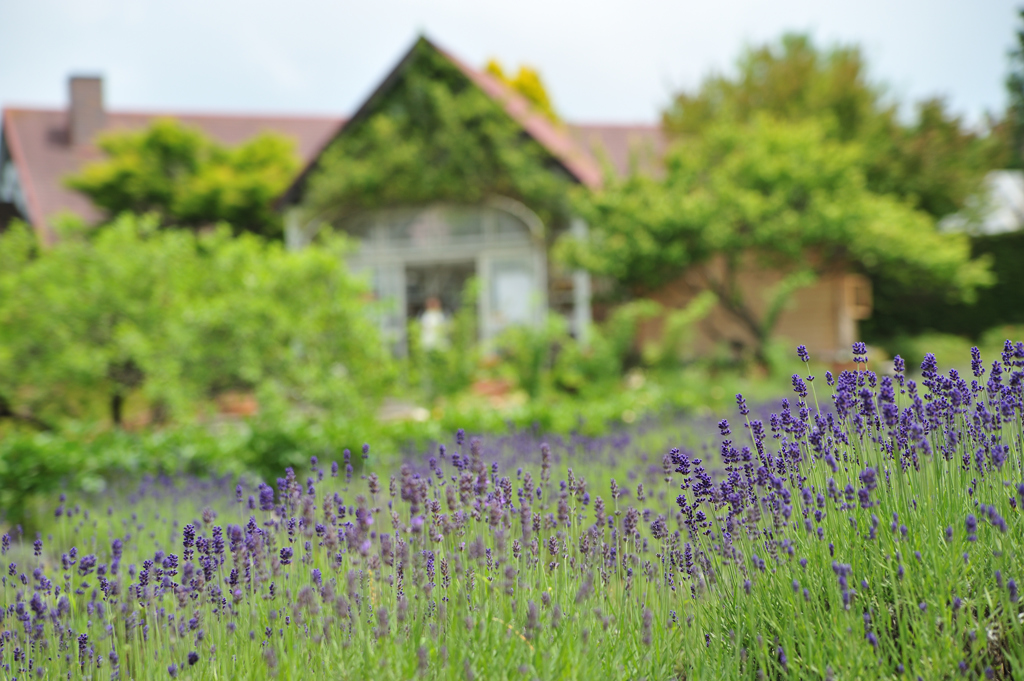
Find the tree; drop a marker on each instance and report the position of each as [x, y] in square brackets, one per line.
[171, 318]
[187, 179]
[1015, 107]
[935, 162]
[435, 136]
[772, 194]
[528, 83]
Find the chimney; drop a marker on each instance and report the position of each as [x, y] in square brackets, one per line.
[86, 116]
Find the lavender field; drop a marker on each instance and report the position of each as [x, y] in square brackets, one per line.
[866, 527]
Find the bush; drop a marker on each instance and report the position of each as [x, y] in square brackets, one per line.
[132, 317]
[551, 357]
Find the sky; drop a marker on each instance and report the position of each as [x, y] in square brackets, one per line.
[602, 60]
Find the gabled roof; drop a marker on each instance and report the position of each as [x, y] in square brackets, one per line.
[556, 139]
[37, 140]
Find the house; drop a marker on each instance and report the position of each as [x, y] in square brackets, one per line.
[414, 253]
[426, 252]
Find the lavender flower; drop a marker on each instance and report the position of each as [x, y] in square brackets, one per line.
[971, 524]
[898, 365]
[977, 366]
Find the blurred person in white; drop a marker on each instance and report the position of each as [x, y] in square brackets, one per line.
[433, 323]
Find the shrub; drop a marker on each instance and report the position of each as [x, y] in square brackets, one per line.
[172, 319]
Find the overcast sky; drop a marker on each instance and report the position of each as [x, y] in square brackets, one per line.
[603, 60]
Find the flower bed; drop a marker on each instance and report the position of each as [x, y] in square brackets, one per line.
[873, 534]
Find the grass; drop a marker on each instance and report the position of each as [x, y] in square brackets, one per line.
[832, 542]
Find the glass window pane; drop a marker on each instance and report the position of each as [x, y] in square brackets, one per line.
[509, 225]
[513, 293]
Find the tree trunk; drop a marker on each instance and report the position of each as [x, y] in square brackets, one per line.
[729, 298]
[116, 409]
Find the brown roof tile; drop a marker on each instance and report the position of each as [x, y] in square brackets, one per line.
[624, 147]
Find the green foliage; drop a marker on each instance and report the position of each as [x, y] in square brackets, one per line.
[898, 312]
[20, 246]
[36, 464]
[936, 162]
[529, 352]
[545, 358]
[620, 329]
[434, 136]
[611, 348]
[793, 80]
[528, 83]
[188, 179]
[585, 369]
[769, 194]
[173, 319]
[672, 346]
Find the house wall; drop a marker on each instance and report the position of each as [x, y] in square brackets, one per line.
[823, 316]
